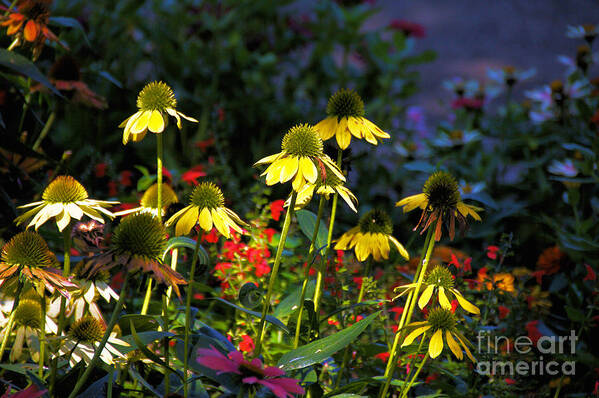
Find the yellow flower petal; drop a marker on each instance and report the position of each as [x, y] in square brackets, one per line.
[355, 127]
[230, 223]
[220, 224]
[308, 169]
[465, 304]
[289, 166]
[269, 159]
[348, 197]
[415, 333]
[298, 182]
[443, 299]
[174, 114]
[205, 219]
[187, 221]
[141, 124]
[175, 216]
[156, 122]
[326, 128]
[343, 135]
[63, 220]
[454, 346]
[435, 346]
[74, 210]
[425, 296]
[375, 129]
[412, 202]
[400, 248]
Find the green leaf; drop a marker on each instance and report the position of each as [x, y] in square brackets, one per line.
[307, 222]
[149, 354]
[319, 350]
[189, 243]
[22, 65]
[145, 337]
[70, 23]
[269, 318]
[575, 314]
[291, 302]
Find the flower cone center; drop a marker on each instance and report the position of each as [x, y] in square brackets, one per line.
[345, 103]
[141, 235]
[442, 191]
[440, 276]
[150, 197]
[87, 329]
[28, 249]
[156, 96]
[29, 313]
[207, 194]
[440, 318]
[64, 189]
[302, 140]
[377, 222]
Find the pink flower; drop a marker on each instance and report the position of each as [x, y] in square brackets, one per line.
[251, 372]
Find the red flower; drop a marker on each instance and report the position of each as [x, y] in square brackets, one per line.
[432, 377]
[454, 306]
[221, 114]
[590, 276]
[125, 178]
[191, 176]
[468, 265]
[539, 275]
[509, 381]
[533, 331]
[168, 177]
[100, 170]
[503, 311]
[397, 311]
[383, 356]
[276, 208]
[269, 233]
[204, 144]
[199, 296]
[211, 237]
[262, 269]
[332, 322]
[408, 28]
[247, 344]
[492, 252]
[112, 188]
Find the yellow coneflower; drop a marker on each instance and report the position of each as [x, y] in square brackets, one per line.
[326, 184]
[27, 257]
[440, 280]
[440, 201]
[155, 102]
[345, 112]
[371, 237]
[138, 244]
[206, 208]
[301, 156]
[149, 200]
[440, 323]
[84, 339]
[64, 198]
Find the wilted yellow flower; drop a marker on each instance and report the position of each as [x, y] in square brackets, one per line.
[371, 237]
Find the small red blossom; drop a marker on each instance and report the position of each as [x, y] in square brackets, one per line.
[112, 188]
[503, 311]
[533, 331]
[125, 178]
[591, 275]
[454, 306]
[100, 170]
[397, 311]
[276, 208]
[270, 232]
[168, 177]
[211, 237]
[332, 322]
[509, 381]
[199, 296]
[246, 344]
[383, 356]
[408, 28]
[432, 377]
[539, 275]
[221, 114]
[492, 252]
[191, 176]
[204, 144]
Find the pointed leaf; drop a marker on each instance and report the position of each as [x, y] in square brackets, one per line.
[22, 65]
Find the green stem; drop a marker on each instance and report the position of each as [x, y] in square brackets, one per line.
[322, 268]
[42, 337]
[110, 381]
[307, 274]
[113, 320]
[66, 272]
[411, 363]
[44, 131]
[360, 297]
[174, 260]
[10, 7]
[275, 271]
[405, 393]
[188, 296]
[11, 318]
[165, 345]
[429, 243]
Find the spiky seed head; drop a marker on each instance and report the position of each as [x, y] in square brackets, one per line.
[29, 313]
[302, 140]
[442, 191]
[140, 235]
[441, 318]
[376, 221]
[28, 249]
[156, 96]
[64, 189]
[207, 194]
[87, 330]
[150, 197]
[440, 276]
[345, 103]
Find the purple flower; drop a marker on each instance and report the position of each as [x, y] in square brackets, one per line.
[252, 372]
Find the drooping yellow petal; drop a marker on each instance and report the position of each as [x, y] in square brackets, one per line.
[443, 299]
[425, 296]
[156, 122]
[74, 210]
[269, 159]
[412, 202]
[174, 114]
[333, 167]
[230, 223]
[345, 239]
[415, 333]
[308, 169]
[343, 135]
[187, 221]
[141, 124]
[454, 346]
[355, 127]
[175, 216]
[288, 169]
[62, 220]
[463, 341]
[348, 197]
[205, 219]
[375, 129]
[326, 128]
[465, 304]
[400, 248]
[220, 224]
[435, 346]
[298, 182]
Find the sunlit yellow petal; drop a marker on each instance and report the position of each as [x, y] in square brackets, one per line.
[220, 224]
[443, 299]
[415, 333]
[141, 124]
[308, 169]
[343, 135]
[465, 304]
[326, 128]
[412, 202]
[269, 159]
[400, 248]
[205, 219]
[435, 346]
[289, 166]
[187, 221]
[425, 296]
[454, 346]
[156, 122]
[355, 127]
